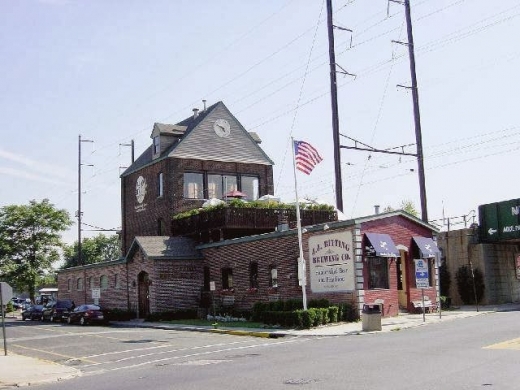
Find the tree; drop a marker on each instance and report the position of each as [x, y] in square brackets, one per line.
[406, 205]
[93, 250]
[468, 285]
[30, 242]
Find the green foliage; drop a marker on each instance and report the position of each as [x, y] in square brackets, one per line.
[467, 285]
[405, 205]
[30, 240]
[444, 280]
[9, 307]
[172, 315]
[319, 303]
[333, 313]
[308, 318]
[93, 250]
[239, 203]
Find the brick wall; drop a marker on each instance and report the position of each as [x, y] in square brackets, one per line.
[401, 230]
[142, 219]
[114, 296]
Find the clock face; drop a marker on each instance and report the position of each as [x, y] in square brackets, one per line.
[222, 127]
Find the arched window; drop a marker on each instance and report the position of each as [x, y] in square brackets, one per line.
[253, 275]
[79, 284]
[103, 282]
[69, 284]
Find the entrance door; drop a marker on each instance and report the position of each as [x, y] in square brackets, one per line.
[144, 294]
[401, 281]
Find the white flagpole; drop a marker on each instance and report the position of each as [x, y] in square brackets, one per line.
[302, 274]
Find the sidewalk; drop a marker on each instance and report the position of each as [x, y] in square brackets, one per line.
[17, 370]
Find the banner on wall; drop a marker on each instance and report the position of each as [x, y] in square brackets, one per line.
[331, 262]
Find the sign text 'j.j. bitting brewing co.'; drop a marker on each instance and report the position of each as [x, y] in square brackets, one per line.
[331, 262]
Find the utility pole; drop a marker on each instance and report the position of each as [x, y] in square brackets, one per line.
[132, 146]
[334, 105]
[416, 114]
[80, 260]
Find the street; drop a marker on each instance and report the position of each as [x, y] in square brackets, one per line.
[471, 353]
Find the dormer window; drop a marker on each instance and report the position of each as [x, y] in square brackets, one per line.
[156, 145]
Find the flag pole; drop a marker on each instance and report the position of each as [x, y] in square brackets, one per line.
[302, 274]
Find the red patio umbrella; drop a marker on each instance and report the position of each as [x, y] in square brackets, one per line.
[235, 194]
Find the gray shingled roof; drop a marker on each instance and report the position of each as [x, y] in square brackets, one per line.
[191, 123]
[164, 247]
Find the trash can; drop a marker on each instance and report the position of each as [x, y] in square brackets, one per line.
[371, 317]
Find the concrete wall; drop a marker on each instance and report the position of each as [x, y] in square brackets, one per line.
[496, 261]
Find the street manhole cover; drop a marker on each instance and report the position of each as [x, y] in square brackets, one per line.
[302, 381]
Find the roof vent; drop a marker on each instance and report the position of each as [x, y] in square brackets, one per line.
[195, 113]
[376, 209]
[204, 102]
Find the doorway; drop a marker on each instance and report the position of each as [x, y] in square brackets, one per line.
[402, 289]
[143, 293]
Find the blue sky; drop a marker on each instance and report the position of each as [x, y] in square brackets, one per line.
[109, 69]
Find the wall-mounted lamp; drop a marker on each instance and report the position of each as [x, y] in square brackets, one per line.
[304, 230]
[325, 227]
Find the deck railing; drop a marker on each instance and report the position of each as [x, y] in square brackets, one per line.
[248, 218]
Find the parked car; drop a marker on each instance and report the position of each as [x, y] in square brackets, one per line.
[87, 314]
[17, 302]
[57, 310]
[32, 312]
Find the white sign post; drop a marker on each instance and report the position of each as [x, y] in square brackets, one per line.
[96, 294]
[421, 279]
[6, 293]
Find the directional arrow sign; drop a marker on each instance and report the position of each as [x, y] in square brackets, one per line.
[492, 231]
[421, 274]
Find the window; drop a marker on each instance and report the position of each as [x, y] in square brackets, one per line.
[69, 284]
[227, 278]
[273, 276]
[377, 273]
[253, 275]
[79, 284]
[230, 183]
[156, 145]
[215, 186]
[89, 282]
[249, 186]
[116, 281]
[161, 227]
[160, 185]
[206, 279]
[193, 186]
[103, 282]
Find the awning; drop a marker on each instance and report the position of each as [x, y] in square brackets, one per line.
[427, 247]
[380, 245]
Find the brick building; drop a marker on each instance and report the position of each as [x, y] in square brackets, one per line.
[238, 256]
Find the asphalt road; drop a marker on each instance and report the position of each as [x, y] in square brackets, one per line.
[471, 353]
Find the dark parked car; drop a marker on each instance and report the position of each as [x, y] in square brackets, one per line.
[32, 312]
[87, 314]
[57, 310]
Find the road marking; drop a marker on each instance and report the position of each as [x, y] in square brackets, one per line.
[513, 344]
[205, 353]
[51, 353]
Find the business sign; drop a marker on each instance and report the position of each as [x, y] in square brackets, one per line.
[96, 293]
[422, 279]
[500, 221]
[331, 262]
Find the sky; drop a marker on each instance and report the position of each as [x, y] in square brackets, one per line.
[108, 70]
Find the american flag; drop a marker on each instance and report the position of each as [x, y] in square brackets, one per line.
[306, 156]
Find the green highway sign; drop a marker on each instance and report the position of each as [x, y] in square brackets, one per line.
[500, 221]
